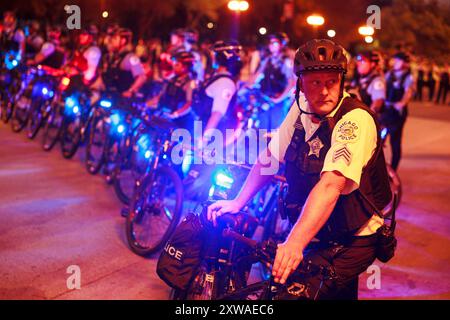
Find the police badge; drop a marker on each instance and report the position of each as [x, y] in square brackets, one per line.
[315, 145]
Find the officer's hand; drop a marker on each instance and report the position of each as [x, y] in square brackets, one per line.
[127, 94]
[222, 207]
[399, 106]
[289, 255]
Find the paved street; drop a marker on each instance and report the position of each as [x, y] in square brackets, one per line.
[53, 214]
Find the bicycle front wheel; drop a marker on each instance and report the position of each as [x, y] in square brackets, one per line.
[155, 211]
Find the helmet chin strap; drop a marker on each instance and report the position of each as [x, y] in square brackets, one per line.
[316, 115]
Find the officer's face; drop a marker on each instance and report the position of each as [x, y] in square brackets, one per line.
[322, 90]
[397, 64]
[363, 65]
[274, 46]
[179, 68]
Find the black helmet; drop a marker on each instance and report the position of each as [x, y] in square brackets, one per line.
[402, 56]
[124, 33]
[185, 57]
[280, 36]
[227, 53]
[190, 35]
[372, 56]
[318, 55]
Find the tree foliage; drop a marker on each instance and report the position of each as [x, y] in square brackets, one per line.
[420, 25]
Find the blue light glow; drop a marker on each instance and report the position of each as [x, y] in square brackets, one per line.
[384, 133]
[223, 180]
[120, 128]
[148, 154]
[105, 104]
[70, 102]
[76, 109]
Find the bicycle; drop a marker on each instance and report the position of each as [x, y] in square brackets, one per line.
[229, 255]
[157, 201]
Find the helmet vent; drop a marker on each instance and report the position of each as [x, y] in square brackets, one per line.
[322, 53]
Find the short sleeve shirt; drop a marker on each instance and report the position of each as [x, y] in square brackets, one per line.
[377, 89]
[132, 63]
[353, 141]
[222, 91]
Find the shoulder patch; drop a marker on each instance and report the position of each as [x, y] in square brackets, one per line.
[378, 85]
[347, 131]
[226, 94]
[134, 60]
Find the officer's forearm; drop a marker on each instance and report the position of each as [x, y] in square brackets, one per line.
[407, 96]
[137, 84]
[213, 121]
[254, 182]
[317, 209]
[376, 105]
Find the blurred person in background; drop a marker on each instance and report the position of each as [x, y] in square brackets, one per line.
[399, 91]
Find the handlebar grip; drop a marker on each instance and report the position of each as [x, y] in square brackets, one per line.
[228, 233]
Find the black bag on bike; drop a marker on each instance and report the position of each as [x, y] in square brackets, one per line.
[180, 259]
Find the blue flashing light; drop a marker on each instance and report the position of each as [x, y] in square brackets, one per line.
[44, 90]
[211, 191]
[384, 133]
[147, 154]
[223, 180]
[105, 104]
[76, 109]
[115, 119]
[70, 102]
[120, 128]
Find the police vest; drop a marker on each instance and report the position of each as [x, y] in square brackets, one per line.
[174, 96]
[115, 78]
[54, 60]
[274, 81]
[364, 83]
[202, 104]
[394, 88]
[7, 42]
[303, 170]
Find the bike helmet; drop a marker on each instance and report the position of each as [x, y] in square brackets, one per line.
[124, 33]
[190, 35]
[320, 55]
[372, 56]
[402, 56]
[185, 57]
[280, 36]
[228, 54]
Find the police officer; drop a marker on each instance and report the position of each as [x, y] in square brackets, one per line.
[51, 54]
[176, 95]
[214, 100]
[399, 91]
[276, 80]
[34, 40]
[123, 71]
[334, 167]
[91, 53]
[12, 38]
[371, 84]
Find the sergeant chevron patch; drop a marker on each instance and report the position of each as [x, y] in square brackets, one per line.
[344, 154]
